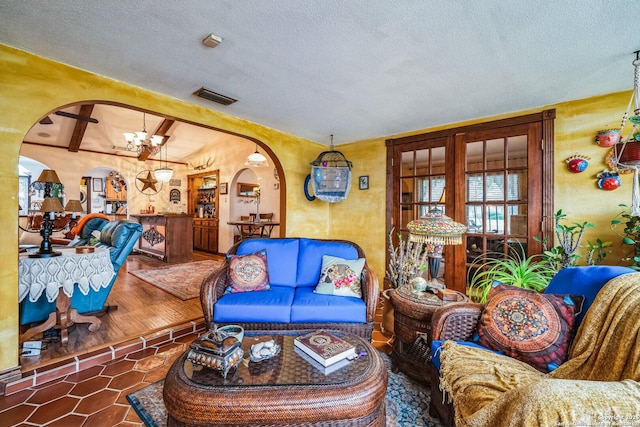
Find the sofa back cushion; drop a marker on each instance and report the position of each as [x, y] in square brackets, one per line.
[310, 258]
[282, 258]
[585, 281]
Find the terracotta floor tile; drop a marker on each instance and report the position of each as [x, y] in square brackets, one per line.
[53, 410]
[138, 355]
[108, 417]
[14, 399]
[97, 402]
[132, 416]
[83, 375]
[90, 386]
[50, 393]
[157, 374]
[169, 349]
[71, 420]
[17, 414]
[126, 380]
[117, 367]
[149, 363]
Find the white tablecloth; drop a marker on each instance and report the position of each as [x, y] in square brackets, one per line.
[38, 275]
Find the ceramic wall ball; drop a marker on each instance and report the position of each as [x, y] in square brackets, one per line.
[577, 163]
[608, 180]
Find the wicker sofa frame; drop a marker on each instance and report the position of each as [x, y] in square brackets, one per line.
[214, 285]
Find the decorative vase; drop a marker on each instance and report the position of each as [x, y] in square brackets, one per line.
[387, 314]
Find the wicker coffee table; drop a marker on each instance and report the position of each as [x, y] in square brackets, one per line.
[283, 391]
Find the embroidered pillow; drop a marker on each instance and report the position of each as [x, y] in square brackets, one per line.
[529, 326]
[340, 277]
[246, 273]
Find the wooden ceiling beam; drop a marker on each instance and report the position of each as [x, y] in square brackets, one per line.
[162, 130]
[80, 128]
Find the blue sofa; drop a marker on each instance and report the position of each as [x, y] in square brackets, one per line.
[458, 321]
[119, 237]
[294, 266]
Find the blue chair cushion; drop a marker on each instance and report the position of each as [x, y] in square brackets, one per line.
[282, 258]
[585, 281]
[310, 258]
[259, 306]
[436, 345]
[311, 307]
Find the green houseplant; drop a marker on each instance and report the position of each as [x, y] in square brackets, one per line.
[630, 234]
[513, 269]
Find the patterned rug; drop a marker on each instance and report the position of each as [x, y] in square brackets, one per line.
[181, 280]
[407, 402]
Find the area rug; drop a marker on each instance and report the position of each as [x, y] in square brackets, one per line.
[407, 402]
[181, 280]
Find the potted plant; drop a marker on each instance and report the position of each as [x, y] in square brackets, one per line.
[513, 269]
[407, 261]
[630, 234]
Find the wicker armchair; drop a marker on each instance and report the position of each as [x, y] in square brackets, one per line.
[213, 288]
[450, 322]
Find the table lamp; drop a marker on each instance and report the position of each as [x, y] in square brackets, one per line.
[73, 206]
[48, 207]
[435, 230]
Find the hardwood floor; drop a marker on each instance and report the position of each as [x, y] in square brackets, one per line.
[141, 309]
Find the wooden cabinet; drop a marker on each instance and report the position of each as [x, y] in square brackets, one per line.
[205, 234]
[116, 198]
[203, 202]
[168, 237]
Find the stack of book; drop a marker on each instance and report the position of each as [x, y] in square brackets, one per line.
[325, 349]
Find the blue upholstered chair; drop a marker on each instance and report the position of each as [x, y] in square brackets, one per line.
[119, 237]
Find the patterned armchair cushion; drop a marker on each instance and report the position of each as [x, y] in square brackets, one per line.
[529, 326]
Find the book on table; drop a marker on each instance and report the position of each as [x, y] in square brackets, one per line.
[316, 365]
[325, 347]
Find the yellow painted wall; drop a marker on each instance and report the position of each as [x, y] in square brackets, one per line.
[33, 86]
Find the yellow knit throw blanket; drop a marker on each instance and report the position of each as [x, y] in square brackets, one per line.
[597, 386]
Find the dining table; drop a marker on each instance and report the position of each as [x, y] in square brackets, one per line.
[251, 229]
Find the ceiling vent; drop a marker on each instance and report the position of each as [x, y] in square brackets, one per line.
[213, 96]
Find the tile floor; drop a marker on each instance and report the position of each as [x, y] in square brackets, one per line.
[96, 396]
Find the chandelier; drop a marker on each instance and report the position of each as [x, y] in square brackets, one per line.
[141, 142]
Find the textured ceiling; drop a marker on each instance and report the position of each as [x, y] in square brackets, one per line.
[353, 68]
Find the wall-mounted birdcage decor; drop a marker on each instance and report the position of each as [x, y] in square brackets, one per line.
[330, 176]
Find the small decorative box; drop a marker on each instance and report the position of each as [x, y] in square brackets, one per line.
[447, 295]
[85, 249]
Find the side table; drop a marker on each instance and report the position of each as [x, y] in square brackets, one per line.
[412, 313]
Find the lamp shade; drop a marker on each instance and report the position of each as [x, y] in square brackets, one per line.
[435, 227]
[51, 204]
[73, 206]
[256, 160]
[163, 174]
[49, 175]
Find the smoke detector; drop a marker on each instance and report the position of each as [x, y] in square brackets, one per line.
[212, 40]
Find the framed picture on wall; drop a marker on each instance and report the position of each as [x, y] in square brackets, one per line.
[224, 188]
[363, 182]
[97, 185]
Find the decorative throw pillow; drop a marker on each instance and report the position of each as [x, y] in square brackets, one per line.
[247, 273]
[340, 277]
[529, 326]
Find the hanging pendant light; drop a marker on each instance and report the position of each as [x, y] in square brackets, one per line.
[256, 160]
[163, 174]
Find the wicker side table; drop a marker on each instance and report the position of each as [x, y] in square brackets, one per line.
[413, 312]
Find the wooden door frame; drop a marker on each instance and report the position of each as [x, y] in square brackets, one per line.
[455, 200]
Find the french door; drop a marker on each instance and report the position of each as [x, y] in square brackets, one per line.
[496, 178]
